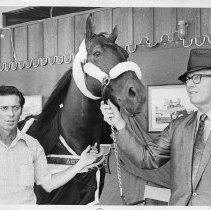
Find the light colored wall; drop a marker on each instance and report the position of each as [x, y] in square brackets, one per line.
[6, 9]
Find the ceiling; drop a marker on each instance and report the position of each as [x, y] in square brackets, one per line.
[37, 13]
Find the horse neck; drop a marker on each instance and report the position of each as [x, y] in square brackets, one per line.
[81, 120]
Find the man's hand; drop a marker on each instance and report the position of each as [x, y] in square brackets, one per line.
[112, 115]
[88, 156]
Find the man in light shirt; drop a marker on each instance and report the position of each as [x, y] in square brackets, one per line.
[186, 141]
[22, 158]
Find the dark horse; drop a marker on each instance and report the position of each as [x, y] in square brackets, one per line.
[80, 121]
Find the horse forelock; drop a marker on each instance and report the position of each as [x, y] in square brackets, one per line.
[103, 41]
[48, 134]
[119, 50]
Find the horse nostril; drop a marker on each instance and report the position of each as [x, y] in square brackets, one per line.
[132, 92]
[119, 100]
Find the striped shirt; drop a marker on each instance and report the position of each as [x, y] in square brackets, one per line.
[22, 164]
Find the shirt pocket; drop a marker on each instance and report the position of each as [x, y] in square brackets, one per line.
[26, 176]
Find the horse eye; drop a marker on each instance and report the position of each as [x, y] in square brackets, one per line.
[96, 54]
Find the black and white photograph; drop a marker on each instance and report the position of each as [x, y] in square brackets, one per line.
[167, 103]
[105, 104]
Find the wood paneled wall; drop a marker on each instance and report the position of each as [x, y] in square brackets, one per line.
[63, 34]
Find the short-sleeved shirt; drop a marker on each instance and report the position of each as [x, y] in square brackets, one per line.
[22, 164]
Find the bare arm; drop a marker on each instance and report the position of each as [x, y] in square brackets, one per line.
[61, 178]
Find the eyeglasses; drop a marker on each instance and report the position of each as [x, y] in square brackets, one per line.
[196, 78]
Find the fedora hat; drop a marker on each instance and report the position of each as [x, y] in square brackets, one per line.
[199, 59]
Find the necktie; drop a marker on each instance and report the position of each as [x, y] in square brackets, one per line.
[198, 147]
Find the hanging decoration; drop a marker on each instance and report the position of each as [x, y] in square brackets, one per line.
[165, 39]
[68, 58]
[36, 62]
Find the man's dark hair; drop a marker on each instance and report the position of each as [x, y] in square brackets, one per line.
[11, 90]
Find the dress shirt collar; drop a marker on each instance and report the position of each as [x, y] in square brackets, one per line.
[19, 137]
[208, 114]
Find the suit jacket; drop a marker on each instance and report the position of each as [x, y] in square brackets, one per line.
[175, 143]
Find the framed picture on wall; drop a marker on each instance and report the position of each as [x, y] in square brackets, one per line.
[32, 106]
[165, 103]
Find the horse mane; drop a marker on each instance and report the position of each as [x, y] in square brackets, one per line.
[46, 126]
[56, 98]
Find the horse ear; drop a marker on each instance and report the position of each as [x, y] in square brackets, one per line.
[113, 34]
[89, 27]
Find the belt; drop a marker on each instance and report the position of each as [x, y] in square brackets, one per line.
[54, 159]
[62, 161]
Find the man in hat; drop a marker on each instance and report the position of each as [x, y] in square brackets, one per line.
[186, 141]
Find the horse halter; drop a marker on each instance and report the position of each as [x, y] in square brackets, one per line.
[95, 72]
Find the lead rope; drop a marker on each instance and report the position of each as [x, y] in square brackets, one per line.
[105, 83]
[118, 166]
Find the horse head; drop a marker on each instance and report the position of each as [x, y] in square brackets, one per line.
[100, 70]
[108, 73]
